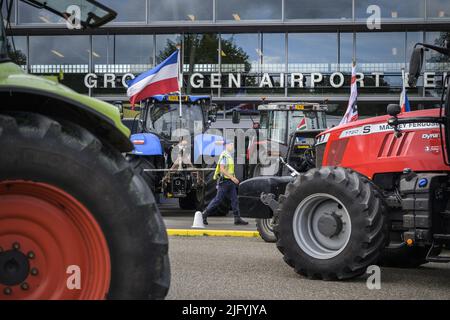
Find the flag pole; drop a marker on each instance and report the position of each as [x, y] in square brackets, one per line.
[403, 79]
[180, 81]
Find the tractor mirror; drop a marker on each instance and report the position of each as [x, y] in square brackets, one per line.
[393, 110]
[415, 66]
[236, 118]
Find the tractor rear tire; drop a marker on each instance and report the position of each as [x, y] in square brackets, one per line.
[331, 224]
[98, 216]
[141, 163]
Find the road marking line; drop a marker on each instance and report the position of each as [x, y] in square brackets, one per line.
[212, 233]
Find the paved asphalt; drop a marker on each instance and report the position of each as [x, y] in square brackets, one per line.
[249, 268]
[183, 219]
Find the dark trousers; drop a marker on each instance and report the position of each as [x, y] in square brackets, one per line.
[226, 190]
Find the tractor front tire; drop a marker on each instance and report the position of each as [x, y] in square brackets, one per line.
[72, 207]
[265, 229]
[140, 164]
[331, 224]
[264, 226]
[192, 201]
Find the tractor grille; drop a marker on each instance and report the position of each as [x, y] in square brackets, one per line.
[336, 152]
[320, 150]
[395, 147]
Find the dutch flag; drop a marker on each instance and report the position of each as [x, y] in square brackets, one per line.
[162, 79]
[352, 109]
[404, 102]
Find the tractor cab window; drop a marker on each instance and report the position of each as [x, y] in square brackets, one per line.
[164, 118]
[92, 14]
[306, 120]
[264, 119]
[277, 126]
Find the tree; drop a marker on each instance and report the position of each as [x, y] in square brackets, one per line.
[17, 56]
[440, 41]
[204, 49]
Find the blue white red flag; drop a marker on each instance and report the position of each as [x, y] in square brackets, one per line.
[404, 102]
[352, 109]
[162, 79]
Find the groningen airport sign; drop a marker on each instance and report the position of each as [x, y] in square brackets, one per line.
[264, 80]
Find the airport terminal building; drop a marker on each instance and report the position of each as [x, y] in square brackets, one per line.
[244, 52]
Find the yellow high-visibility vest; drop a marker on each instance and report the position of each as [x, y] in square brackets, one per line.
[229, 166]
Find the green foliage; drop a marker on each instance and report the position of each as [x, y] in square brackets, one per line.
[17, 56]
[203, 49]
[443, 37]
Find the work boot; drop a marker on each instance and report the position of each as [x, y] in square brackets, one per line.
[204, 216]
[239, 221]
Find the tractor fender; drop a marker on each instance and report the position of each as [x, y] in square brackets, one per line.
[98, 117]
[146, 144]
[250, 204]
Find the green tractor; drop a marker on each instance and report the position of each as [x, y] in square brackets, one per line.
[76, 220]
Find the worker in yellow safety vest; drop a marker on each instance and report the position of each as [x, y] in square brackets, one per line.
[226, 185]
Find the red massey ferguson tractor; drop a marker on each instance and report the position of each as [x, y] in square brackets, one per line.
[379, 194]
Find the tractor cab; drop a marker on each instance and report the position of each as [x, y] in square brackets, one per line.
[282, 119]
[164, 115]
[288, 128]
[165, 142]
[301, 153]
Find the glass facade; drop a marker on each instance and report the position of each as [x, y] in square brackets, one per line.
[48, 53]
[230, 50]
[438, 9]
[181, 10]
[315, 9]
[66, 60]
[381, 51]
[5, 8]
[390, 9]
[346, 52]
[239, 64]
[237, 10]
[134, 51]
[435, 61]
[240, 52]
[18, 51]
[273, 53]
[201, 53]
[312, 52]
[165, 45]
[128, 11]
[29, 14]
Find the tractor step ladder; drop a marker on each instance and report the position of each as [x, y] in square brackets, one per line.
[435, 250]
